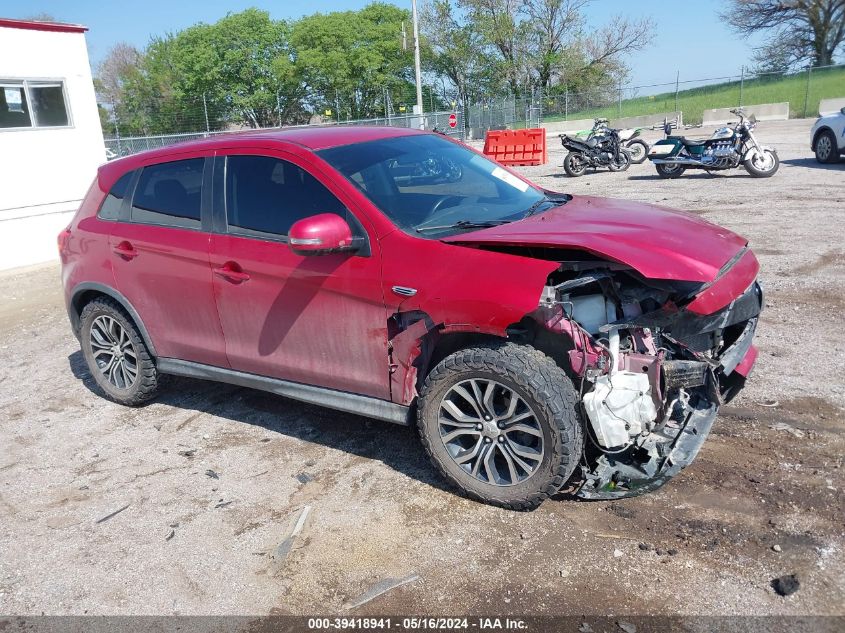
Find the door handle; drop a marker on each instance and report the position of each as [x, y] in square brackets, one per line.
[125, 250]
[232, 272]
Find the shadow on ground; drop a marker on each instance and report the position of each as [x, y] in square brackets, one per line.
[394, 445]
[814, 164]
[698, 174]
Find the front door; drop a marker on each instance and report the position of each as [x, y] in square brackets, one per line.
[318, 320]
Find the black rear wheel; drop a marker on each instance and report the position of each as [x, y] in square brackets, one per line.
[669, 170]
[574, 164]
[117, 357]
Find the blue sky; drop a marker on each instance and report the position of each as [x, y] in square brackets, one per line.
[689, 37]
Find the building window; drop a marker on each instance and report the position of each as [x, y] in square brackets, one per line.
[28, 103]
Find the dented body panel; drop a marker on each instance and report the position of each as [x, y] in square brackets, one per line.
[659, 243]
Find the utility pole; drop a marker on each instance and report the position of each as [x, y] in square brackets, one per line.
[337, 104]
[205, 109]
[417, 58]
[677, 81]
[741, 84]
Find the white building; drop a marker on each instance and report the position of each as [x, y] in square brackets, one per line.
[50, 137]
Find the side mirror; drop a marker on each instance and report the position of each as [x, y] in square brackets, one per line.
[842, 110]
[320, 235]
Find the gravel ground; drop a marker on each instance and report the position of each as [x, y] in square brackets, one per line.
[210, 479]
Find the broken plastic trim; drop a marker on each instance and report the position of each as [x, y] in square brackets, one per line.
[615, 477]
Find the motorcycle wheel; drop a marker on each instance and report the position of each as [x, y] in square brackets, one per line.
[638, 149]
[622, 162]
[574, 164]
[766, 165]
[669, 171]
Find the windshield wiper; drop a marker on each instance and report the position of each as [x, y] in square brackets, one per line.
[536, 206]
[463, 224]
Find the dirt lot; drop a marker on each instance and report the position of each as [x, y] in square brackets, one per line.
[211, 478]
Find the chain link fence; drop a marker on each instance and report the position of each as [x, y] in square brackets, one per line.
[802, 90]
[447, 122]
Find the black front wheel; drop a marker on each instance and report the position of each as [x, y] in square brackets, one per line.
[763, 164]
[574, 164]
[502, 423]
[621, 162]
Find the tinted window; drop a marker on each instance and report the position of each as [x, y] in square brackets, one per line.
[267, 195]
[114, 199]
[170, 194]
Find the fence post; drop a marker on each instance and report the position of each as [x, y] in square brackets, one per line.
[741, 84]
[540, 109]
[677, 81]
[566, 104]
[807, 92]
[205, 109]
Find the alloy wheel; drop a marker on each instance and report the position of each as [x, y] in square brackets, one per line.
[823, 147]
[490, 432]
[113, 352]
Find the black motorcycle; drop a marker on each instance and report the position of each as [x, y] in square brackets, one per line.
[602, 148]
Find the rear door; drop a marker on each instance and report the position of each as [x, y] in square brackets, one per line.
[318, 320]
[160, 259]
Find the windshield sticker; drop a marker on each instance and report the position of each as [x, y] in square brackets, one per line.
[502, 174]
[509, 178]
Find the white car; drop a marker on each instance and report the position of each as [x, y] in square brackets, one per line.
[828, 137]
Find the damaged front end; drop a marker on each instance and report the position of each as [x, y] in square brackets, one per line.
[652, 368]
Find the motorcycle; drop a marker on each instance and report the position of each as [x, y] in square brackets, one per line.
[636, 146]
[630, 139]
[727, 148]
[601, 149]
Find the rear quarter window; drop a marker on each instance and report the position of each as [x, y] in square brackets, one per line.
[169, 194]
[110, 209]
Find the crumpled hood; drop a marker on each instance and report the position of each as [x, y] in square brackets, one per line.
[659, 243]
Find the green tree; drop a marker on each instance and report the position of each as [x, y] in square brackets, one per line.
[349, 58]
[454, 50]
[800, 31]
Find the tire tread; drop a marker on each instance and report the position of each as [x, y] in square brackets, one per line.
[148, 377]
[550, 387]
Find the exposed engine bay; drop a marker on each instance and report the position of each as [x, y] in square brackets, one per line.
[651, 373]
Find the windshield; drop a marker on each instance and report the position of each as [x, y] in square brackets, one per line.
[432, 187]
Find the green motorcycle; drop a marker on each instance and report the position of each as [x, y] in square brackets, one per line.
[728, 147]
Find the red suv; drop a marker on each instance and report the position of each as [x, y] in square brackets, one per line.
[533, 337]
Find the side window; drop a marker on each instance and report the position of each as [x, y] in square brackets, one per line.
[267, 195]
[169, 194]
[114, 199]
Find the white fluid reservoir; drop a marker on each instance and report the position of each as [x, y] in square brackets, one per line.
[591, 311]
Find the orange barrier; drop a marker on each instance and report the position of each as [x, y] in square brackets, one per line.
[517, 147]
